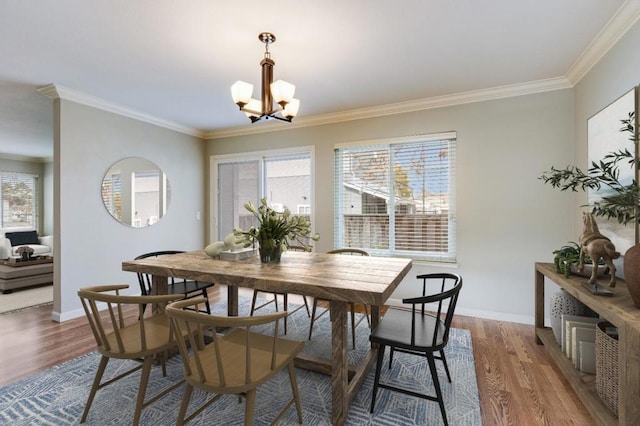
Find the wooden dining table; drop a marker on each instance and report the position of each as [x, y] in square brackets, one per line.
[340, 279]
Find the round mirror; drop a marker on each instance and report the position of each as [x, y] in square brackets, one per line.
[136, 192]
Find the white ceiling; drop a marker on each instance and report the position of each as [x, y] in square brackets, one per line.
[174, 61]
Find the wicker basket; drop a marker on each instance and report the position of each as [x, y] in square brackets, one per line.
[607, 366]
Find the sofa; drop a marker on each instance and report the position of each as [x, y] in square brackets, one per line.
[12, 238]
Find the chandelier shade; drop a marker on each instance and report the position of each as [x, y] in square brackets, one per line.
[279, 92]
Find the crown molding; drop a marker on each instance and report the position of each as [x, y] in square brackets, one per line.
[625, 17]
[55, 91]
[402, 107]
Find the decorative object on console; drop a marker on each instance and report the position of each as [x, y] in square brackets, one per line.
[607, 365]
[566, 261]
[598, 247]
[275, 231]
[279, 91]
[563, 303]
[613, 190]
[631, 268]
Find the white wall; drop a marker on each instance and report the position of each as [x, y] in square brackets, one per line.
[507, 218]
[90, 244]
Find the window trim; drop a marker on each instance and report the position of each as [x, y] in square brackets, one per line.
[450, 257]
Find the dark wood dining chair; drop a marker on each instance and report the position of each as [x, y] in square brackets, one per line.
[145, 338]
[419, 332]
[352, 305]
[187, 288]
[237, 362]
[274, 299]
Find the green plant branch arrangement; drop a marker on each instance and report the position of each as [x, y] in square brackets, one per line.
[276, 228]
[622, 204]
[567, 256]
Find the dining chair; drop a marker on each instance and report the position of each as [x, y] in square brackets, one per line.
[187, 288]
[419, 332]
[352, 305]
[285, 297]
[120, 334]
[234, 363]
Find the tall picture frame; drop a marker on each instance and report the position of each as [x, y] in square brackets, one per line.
[605, 136]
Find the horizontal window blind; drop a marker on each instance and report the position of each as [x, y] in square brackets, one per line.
[19, 200]
[397, 197]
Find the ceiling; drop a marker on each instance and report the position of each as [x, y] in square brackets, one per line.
[173, 62]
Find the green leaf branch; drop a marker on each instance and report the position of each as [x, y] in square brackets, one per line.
[622, 203]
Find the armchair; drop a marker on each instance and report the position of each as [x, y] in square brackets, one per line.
[11, 239]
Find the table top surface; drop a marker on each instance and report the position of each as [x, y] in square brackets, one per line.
[362, 279]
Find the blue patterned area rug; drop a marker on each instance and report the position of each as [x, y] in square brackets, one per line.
[57, 396]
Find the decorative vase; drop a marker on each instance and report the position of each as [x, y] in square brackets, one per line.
[270, 251]
[563, 303]
[631, 267]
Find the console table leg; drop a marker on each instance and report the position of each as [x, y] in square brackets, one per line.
[539, 308]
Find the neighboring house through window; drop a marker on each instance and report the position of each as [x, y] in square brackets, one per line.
[283, 177]
[19, 200]
[397, 196]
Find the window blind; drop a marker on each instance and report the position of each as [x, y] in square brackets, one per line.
[397, 197]
[19, 200]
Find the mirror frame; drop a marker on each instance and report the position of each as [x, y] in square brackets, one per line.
[135, 192]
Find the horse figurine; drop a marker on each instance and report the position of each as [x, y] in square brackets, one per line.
[597, 246]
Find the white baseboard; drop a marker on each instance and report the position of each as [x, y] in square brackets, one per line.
[491, 315]
[65, 316]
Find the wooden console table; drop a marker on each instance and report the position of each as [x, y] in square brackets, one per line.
[618, 310]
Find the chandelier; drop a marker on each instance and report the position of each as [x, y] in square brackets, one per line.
[279, 91]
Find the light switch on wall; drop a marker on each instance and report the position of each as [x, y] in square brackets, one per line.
[197, 215]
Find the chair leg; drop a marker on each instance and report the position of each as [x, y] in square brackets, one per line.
[144, 380]
[353, 323]
[376, 381]
[436, 385]
[306, 305]
[164, 356]
[185, 404]
[446, 367]
[248, 409]
[206, 303]
[390, 357]
[294, 389]
[285, 298]
[94, 388]
[253, 302]
[313, 316]
[367, 315]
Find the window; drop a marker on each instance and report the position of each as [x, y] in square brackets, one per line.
[19, 205]
[397, 197]
[284, 178]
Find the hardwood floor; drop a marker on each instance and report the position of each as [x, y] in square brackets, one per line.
[518, 383]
